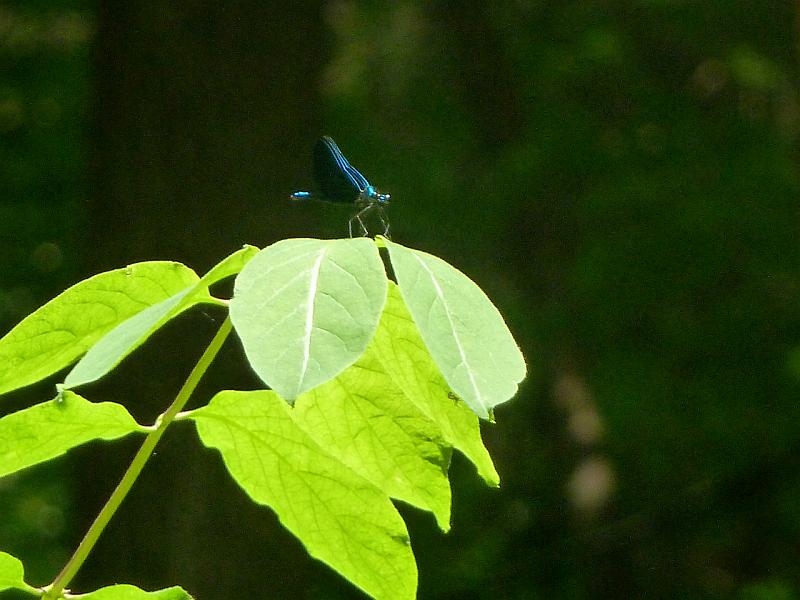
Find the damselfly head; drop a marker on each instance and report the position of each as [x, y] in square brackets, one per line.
[370, 195]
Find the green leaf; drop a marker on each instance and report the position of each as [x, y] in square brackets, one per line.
[135, 331]
[125, 338]
[403, 355]
[462, 329]
[47, 430]
[231, 265]
[59, 332]
[367, 422]
[306, 309]
[129, 592]
[341, 518]
[12, 575]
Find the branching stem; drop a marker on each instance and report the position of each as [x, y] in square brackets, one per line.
[55, 589]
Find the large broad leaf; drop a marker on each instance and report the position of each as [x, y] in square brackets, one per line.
[306, 309]
[63, 329]
[342, 519]
[12, 575]
[132, 333]
[364, 419]
[404, 357]
[47, 430]
[462, 329]
[129, 592]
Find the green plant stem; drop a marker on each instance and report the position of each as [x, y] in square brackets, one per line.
[54, 590]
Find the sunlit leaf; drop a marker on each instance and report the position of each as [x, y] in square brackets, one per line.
[306, 309]
[44, 431]
[230, 265]
[464, 332]
[12, 574]
[403, 355]
[129, 592]
[132, 333]
[364, 419]
[59, 332]
[342, 519]
[124, 339]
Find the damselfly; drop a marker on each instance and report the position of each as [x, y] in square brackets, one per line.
[336, 180]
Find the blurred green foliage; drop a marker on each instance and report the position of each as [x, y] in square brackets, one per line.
[43, 115]
[621, 177]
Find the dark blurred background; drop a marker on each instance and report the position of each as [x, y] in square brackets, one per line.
[620, 177]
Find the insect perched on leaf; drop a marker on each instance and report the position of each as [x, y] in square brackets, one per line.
[336, 180]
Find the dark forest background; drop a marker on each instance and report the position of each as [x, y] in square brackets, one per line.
[621, 177]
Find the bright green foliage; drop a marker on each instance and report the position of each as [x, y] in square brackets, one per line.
[389, 417]
[403, 355]
[375, 416]
[341, 518]
[464, 332]
[12, 574]
[129, 592]
[364, 419]
[230, 265]
[47, 430]
[125, 338]
[306, 309]
[132, 333]
[67, 326]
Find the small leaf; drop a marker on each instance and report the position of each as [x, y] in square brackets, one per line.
[135, 331]
[462, 329]
[47, 430]
[129, 592]
[12, 575]
[405, 358]
[306, 309]
[231, 265]
[124, 339]
[59, 332]
[341, 518]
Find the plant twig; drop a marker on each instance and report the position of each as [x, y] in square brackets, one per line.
[55, 589]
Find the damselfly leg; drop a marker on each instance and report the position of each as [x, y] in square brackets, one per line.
[363, 213]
